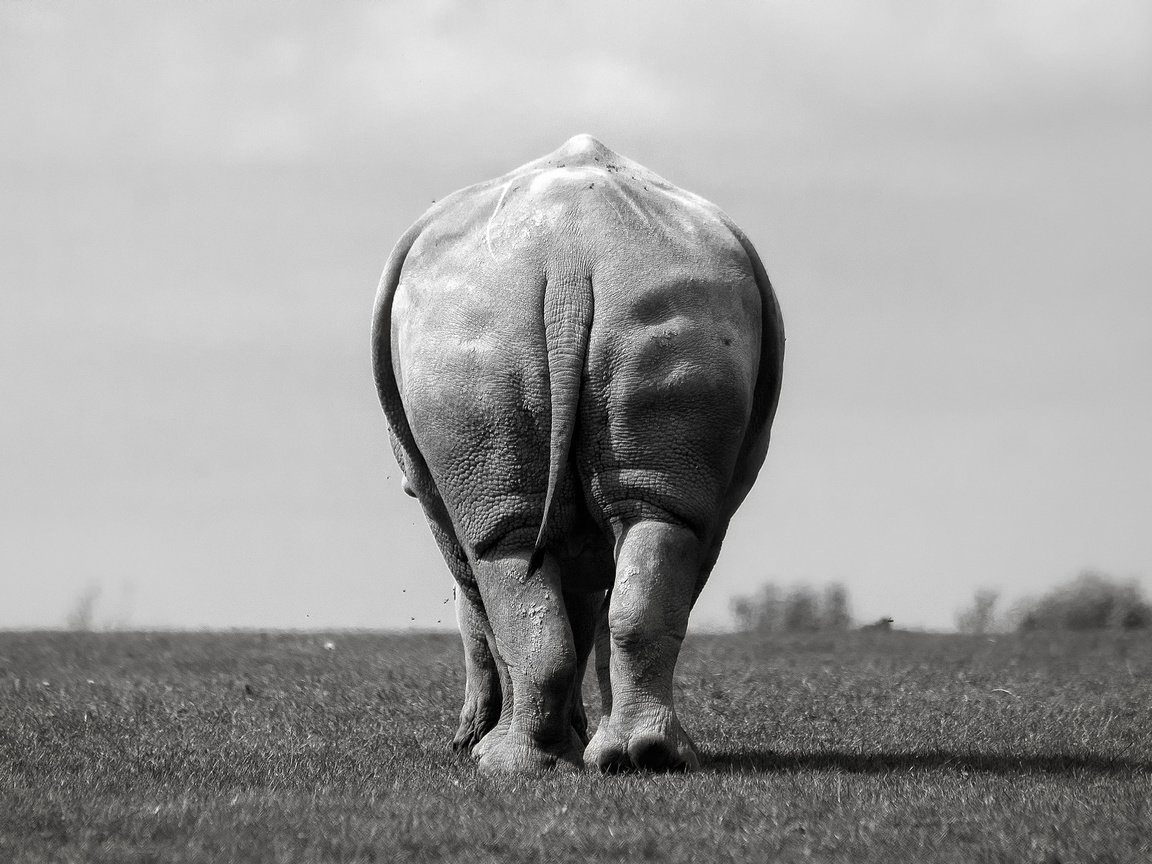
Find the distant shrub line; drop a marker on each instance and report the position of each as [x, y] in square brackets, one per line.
[1090, 601]
[799, 609]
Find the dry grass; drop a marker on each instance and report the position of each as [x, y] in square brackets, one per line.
[862, 747]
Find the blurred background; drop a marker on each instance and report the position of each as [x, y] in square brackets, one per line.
[954, 202]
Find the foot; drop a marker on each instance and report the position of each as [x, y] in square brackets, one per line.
[654, 744]
[492, 738]
[518, 754]
[478, 717]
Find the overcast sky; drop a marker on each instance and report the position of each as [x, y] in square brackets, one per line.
[954, 202]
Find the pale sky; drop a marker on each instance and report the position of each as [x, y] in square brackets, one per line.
[954, 202]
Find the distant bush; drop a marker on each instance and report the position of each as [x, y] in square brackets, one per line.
[980, 617]
[83, 612]
[1091, 601]
[772, 609]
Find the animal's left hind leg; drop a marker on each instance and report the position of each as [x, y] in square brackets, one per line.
[584, 615]
[535, 641]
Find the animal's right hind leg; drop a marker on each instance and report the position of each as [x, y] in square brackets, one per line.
[658, 565]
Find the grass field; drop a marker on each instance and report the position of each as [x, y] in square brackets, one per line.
[864, 747]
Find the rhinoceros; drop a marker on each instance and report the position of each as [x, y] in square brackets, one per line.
[579, 364]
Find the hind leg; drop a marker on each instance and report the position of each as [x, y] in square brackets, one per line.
[658, 566]
[535, 642]
[583, 616]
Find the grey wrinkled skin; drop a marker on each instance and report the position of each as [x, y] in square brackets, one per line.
[579, 364]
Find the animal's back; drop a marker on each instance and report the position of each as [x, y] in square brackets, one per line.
[582, 283]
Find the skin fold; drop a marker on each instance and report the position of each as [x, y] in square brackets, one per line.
[579, 364]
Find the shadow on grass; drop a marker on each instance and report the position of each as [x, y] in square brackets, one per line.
[768, 761]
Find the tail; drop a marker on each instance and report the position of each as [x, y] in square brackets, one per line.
[567, 324]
